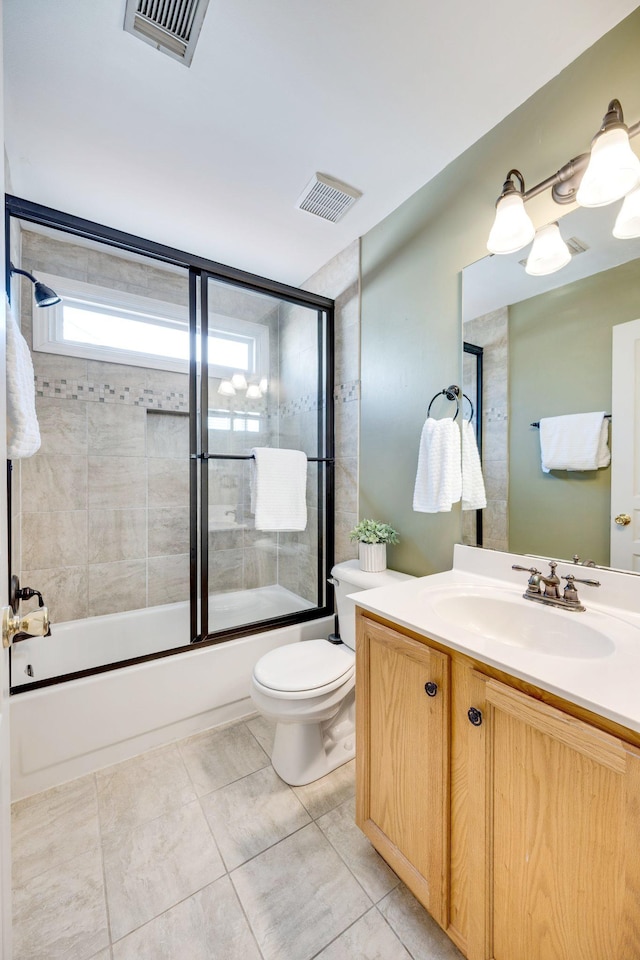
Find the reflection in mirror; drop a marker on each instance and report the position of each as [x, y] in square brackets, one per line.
[547, 351]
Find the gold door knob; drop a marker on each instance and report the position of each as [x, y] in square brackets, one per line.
[623, 519]
[34, 624]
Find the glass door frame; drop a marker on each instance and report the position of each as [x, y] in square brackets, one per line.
[325, 459]
[29, 212]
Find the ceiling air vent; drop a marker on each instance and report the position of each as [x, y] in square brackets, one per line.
[327, 198]
[172, 26]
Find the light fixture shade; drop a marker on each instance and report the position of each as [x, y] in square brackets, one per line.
[548, 253]
[264, 385]
[512, 228]
[226, 388]
[613, 169]
[239, 381]
[253, 392]
[627, 225]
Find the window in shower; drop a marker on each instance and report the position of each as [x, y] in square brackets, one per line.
[155, 378]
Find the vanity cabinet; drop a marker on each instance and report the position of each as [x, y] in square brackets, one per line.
[402, 757]
[535, 823]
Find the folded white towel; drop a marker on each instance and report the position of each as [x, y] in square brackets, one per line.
[279, 488]
[439, 475]
[474, 496]
[23, 432]
[574, 442]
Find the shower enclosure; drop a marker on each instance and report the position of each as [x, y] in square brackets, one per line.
[155, 378]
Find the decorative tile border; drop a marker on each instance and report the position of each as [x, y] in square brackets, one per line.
[345, 392]
[64, 389]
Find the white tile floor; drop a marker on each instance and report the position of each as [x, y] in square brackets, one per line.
[198, 851]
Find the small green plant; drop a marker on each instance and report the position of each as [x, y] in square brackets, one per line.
[372, 531]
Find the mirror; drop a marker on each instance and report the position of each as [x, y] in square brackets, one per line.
[546, 350]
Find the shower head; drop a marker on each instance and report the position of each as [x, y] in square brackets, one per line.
[43, 295]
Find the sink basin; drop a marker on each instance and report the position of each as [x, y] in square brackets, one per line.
[521, 623]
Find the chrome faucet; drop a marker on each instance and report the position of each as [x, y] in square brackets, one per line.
[547, 589]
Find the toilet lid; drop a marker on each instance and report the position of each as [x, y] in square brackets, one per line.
[304, 666]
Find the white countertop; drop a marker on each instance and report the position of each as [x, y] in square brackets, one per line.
[603, 677]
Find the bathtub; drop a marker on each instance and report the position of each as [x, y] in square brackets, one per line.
[70, 729]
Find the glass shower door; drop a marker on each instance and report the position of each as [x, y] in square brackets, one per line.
[265, 383]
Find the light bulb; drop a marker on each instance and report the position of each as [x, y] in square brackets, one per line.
[264, 385]
[548, 253]
[239, 381]
[253, 392]
[512, 228]
[613, 169]
[226, 388]
[627, 225]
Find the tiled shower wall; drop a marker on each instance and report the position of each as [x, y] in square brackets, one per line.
[103, 505]
[491, 332]
[100, 514]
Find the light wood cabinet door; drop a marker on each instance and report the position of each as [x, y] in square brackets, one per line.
[402, 709]
[562, 869]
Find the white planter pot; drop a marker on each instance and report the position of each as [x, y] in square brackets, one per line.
[373, 557]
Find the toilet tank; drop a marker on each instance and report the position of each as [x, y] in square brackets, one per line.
[349, 578]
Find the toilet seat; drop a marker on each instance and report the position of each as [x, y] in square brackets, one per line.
[312, 666]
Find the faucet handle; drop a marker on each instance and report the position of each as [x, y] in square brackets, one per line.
[571, 579]
[534, 570]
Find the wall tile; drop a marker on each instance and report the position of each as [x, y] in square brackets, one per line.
[168, 579]
[116, 430]
[117, 535]
[345, 549]
[65, 591]
[54, 539]
[114, 587]
[117, 482]
[168, 531]
[346, 425]
[168, 482]
[347, 484]
[168, 435]
[226, 570]
[52, 367]
[54, 483]
[63, 426]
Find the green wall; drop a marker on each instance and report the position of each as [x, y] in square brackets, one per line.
[411, 279]
[560, 362]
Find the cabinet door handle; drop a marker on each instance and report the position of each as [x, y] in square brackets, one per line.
[475, 716]
[431, 688]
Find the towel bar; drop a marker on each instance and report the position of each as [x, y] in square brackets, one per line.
[536, 423]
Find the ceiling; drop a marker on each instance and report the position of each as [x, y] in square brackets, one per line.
[212, 158]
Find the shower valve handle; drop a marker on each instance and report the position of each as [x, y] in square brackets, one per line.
[17, 628]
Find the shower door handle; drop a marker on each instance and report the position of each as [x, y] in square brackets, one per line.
[15, 627]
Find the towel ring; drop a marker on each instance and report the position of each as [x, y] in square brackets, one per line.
[452, 393]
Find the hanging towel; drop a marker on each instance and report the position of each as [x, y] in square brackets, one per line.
[279, 488]
[23, 432]
[439, 475]
[474, 496]
[574, 442]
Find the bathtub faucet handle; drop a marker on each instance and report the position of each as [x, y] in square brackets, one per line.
[15, 627]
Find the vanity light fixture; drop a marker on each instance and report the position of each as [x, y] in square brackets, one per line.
[613, 168]
[42, 294]
[226, 388]
[627, 225]
[239, 381]
[593, 179]
[512, 229]
[549, 252]
[254, 392]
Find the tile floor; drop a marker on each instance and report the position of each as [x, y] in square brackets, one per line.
[198, 851]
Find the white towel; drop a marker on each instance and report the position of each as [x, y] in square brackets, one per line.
[279, 489]
[474, 496]
[23, 432]
[574, 442]
[439, 474]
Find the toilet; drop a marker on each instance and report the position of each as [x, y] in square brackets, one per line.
[308, 688]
